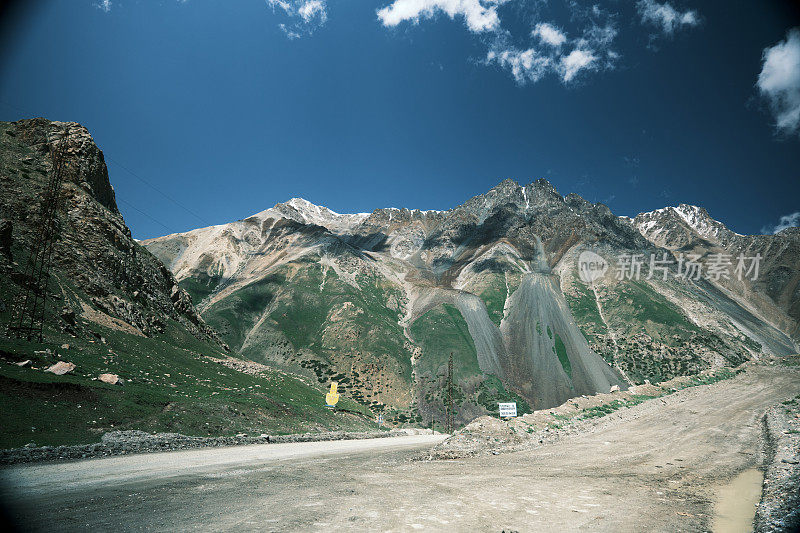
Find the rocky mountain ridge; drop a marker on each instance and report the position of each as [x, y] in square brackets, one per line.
[125, 286]
[123, 347]
[776, 291]
[471, 280]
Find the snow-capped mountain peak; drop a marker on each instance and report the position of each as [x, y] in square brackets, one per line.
[664, 225]
[303, 211]
[699, 220]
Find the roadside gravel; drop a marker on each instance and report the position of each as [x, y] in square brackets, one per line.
[133, 441]
[779, 510]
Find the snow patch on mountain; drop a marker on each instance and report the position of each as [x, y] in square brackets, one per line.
[699, 220]
[303, 211]
[696, 219]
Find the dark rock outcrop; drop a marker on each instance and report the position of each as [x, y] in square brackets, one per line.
[95, 261]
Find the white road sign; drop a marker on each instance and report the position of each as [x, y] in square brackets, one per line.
[508, 410]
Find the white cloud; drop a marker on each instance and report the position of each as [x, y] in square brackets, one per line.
[576, 61]
[549, 34]
[525, 65]
[548, 50]
[787, 221]
[597, 36]
[592, 51]
[305, 16]
[530, 65]
[104, 5]
[779, 81]
[286, 6]
[556, 53]
[479, 15]
[311, 9]
[666, 16]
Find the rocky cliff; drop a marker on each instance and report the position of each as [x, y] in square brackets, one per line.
[101, 274]
[124, 348]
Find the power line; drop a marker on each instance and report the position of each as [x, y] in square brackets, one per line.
[171, 230]
[135, 175]
[162, 193]
[449, 407]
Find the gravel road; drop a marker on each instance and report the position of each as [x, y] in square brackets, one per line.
[655, 467]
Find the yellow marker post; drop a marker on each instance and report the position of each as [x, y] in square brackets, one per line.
[332, 397]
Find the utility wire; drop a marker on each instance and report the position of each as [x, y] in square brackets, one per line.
[162, 193]
[135, 175]
[15, 108]
[148, 216]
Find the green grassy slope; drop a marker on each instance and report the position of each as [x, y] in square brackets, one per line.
[169, 385]
[304, 317]
[200, 286]
[655, 340]
[584, 309]
[494, 296]
[439, 332]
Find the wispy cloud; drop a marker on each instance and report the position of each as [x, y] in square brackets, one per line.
[556, 53]
[304, 16]
[547, 49]
[631, 161]
[787, 221]
[479, 15]
[103, 5]
[665, 16]
[779, 82]
[549, 34]
[576, 61]
[525, 65]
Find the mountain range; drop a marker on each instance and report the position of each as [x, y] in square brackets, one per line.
[124, 347]
[379, 301]
[241, 327]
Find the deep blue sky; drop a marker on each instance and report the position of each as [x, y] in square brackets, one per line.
[212, 103]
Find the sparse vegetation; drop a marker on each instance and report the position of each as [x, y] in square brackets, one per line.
[561, 352]
[169, 385]
[443, 330]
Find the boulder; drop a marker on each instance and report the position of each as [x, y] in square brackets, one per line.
[111, 379]
[61, 368]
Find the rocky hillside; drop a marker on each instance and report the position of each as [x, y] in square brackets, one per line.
[101, 273]
[378, 301]
[775, 293]
[124, 345]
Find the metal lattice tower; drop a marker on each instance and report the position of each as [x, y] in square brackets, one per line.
[27, 319]
[127, 269]
[449, 407]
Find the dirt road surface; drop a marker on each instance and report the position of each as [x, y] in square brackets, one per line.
[655, 467]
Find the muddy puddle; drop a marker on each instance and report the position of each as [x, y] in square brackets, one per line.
[736, 503]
